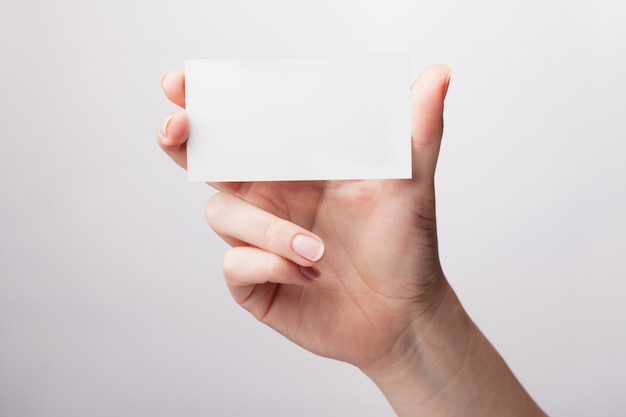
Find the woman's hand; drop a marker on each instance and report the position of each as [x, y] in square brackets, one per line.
[379, 273]
[350, 269]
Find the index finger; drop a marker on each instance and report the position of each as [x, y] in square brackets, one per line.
[237, 220]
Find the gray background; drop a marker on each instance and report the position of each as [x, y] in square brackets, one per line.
[112, 300]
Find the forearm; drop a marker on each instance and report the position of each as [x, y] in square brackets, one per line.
[449, 368]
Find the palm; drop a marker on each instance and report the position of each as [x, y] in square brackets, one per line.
[364, 286]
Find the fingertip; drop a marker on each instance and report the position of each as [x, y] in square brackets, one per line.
[428, 93]
[446, 69]
[427, 101]
[173, 84]
[172, 137]
[162, 77]
[448, 75]
[165, 124]
[439, 74]
[308, 247]
[173, 130]
[311, 273]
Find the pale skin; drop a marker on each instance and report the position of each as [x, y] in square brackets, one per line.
[350, 270]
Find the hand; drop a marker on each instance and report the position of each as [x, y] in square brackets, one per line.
[350, 270]
[380, 270]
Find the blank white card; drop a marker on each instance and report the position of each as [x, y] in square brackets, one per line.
[276, 119]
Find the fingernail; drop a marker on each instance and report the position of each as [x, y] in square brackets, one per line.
[309, 273]
[166, 122]
[449, 70]
[162, 78]
[307, 247]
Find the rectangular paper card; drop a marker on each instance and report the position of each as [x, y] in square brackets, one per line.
[277, 119]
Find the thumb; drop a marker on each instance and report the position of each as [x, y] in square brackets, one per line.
[427, 96]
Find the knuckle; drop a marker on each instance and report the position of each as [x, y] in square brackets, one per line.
[227, 263]
[274, 267]
[215, 207]
[271, 231]
[230, 265]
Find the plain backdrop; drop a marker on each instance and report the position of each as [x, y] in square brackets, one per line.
[112, 300]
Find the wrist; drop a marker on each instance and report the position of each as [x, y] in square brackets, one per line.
[428, 354]
[443, 365]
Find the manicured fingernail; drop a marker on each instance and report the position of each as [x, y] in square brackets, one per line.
[309, 273]
[162, 78]
[307, 247]
[166, 122]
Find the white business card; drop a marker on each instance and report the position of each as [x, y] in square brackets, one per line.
[277, 119]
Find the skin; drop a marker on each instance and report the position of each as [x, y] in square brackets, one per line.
[371, 292]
